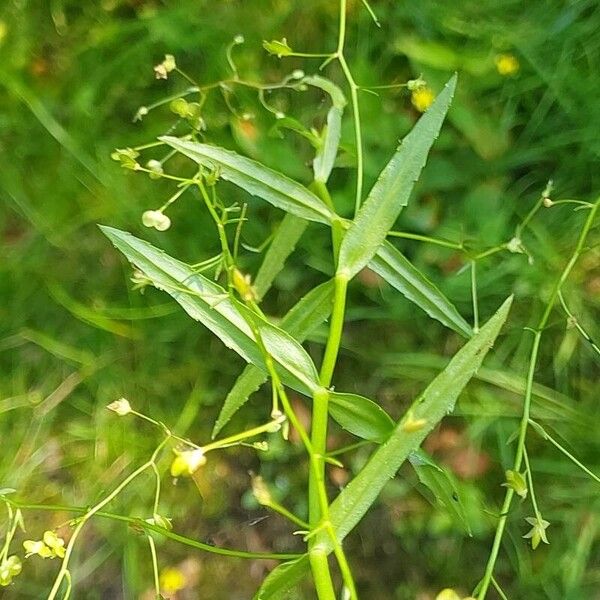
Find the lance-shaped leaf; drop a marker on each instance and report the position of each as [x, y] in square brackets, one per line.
[299, 322]
[442, 484]
[427, 411]
[327, 152]
[360, 416]
[256, 179]
[282, 579]
[288, 233]
[401, 274]
[227, 318]
[392, 190]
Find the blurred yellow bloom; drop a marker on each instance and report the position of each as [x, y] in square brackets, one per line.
[447, 594]
[186, 463]
[422, 98]
[51, 546]
[9, 568]
[507, 64]
[450, 594]
[172, 580]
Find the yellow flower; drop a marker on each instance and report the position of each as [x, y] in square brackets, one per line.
[507, 64]
[51, 546]
[422, 98]
[172, 580]
[447, 594]
[9, 568]
[37, 547]
[55, 543]
[186, 463]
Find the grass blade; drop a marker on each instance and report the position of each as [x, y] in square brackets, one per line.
[393, 188]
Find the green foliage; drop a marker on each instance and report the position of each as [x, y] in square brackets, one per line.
[306, 126]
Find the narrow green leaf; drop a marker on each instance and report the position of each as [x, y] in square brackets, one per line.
[256, 179]
[288, 233]
[326, 154]
[392, 190]
[443, 486]
[436, 401]
[299, 322]
[227, 318]
[282, 579]
[360, 416]
[401, 274]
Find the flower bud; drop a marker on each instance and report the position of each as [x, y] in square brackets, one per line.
[411, 424]
[156, 219]
[243, 286]
[180, 106]
[412, 85]
[156, 169]
[261, 491]
[516, 481]
[239, 39]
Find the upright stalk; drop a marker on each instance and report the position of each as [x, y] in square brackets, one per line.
[489, 571]
[339, 54]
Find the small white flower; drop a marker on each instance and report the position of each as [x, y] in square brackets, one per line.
[120, 406]
[238, 39]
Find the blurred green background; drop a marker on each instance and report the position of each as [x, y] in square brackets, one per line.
[74, 336]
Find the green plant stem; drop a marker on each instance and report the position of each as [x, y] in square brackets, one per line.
[284, 512]
[321, 574]
[339, 54]
[64, 568]
[489, 571]
[138, 523]
[534, 503]
[546, 436]
[319, 510]
[474, 296]
[335, 330]
[154, 566]
[427, 239]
